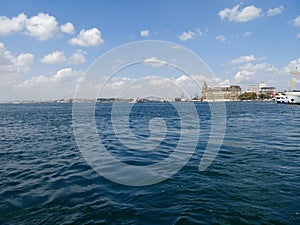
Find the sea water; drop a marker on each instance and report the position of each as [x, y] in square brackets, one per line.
[254, 179]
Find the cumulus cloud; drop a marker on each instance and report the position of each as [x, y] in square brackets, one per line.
[257, 67]
[14, 64]
[7, 25]
[60, 85]
[55, 57]
[65, 76]
[43, 26]
[296, 21]
[182, 79]
[243, 75]
[293, 64]
[244, 59]
[67, 28]
[155, 62]
[144, 33]
[34, 81]
[88, 38]
[58, 57]
[240, 15]
[186, 35]
[275, 11]
[251, 73]
[77, 57]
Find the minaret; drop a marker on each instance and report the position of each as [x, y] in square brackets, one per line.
[204, 90]
[204, 86]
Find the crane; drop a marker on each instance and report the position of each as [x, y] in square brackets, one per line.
[294, 79]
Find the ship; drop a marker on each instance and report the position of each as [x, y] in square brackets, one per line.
[281, 98]
[293, 95]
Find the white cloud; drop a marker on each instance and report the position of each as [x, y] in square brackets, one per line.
[298, 36]
[67, 28]
[199, 32]
[14, 24]
[296, 21]
[64, 74]
[182, 79]
[55, 57]
[43, 26]
[157, 81]
[77, 57]
[65, 77]
[11, 64]
[243, 75]
[243, 15]
[144, 33]
[275, 11]
[87, 38]
[243, 59]
[186, 35]
[119, 83]
[291, 66]
[155, 62]
[246, 34]
[249, 73]
[58, 57]
[257, 67]
[221, 38]
[34, 81]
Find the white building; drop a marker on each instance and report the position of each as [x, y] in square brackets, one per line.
[261, 85]
[253, 88]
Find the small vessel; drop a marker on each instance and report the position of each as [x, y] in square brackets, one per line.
[281, 98]
[137, 100]
[133, 101]
[293, 96]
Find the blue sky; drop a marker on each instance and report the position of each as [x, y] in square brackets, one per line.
[46, 46]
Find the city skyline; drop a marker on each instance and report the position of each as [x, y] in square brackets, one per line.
[46, 47]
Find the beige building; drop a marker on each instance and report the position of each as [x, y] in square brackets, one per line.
[229, 93]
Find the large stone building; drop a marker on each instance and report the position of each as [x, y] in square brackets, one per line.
[229, 93]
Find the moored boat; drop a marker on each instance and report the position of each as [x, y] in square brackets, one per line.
[281, 98]
[293, 96]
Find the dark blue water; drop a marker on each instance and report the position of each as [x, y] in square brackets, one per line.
[255, 178]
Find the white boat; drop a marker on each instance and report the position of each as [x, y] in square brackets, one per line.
[137, 100]
[281, 98]
[293, 96]
[133, 101]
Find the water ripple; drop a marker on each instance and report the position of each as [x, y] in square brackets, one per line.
[253, 180]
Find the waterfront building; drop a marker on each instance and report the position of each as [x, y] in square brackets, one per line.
[261, 85]
[217, 93]
[262, 88]
[267, 90]
[252, 89]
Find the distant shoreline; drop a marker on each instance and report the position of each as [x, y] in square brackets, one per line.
[111, 100]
